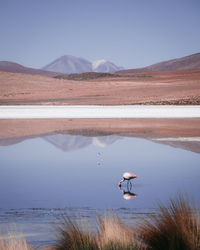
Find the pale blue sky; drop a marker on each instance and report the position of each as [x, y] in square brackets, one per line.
[130, 33]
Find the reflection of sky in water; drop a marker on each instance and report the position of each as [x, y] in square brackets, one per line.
[36, 173]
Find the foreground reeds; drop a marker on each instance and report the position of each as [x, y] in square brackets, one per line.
[110, 234]
[72, 236]
[174, 227]
[14, 243]
[113, 234]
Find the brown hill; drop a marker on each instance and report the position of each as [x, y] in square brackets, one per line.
[18, 68]
[183, 63]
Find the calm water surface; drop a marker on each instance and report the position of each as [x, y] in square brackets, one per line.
[40, 176]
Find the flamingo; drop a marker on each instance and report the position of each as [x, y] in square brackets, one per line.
[127, 176]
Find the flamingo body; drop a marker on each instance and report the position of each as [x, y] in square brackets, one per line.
[127, 176]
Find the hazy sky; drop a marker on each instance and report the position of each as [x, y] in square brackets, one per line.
[130, 33]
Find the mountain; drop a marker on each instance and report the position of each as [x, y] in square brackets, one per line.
[18, 68]
[70, 64]
[183, 63]
[104, 66]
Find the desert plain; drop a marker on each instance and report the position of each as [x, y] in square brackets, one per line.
[180, 87]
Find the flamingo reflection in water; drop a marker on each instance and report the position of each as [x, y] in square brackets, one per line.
[127, 195]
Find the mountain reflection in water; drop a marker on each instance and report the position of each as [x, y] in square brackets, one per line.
[70, 142]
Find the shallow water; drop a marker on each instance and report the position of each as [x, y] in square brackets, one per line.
[40, 176]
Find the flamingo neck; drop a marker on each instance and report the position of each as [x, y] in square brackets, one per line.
[120, 182]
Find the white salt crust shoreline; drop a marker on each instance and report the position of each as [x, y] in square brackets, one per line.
[134, 111]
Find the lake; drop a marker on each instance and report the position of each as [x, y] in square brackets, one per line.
[42, 176]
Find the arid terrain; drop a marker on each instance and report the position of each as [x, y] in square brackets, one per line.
[166, 87]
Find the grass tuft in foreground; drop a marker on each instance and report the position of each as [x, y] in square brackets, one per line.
[176, 227]
[114, 235]
[72, 237]
[110, 235]
[14, 243]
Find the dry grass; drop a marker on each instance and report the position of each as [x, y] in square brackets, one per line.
[72, 237]
[14, 242]
[112, 229]
[111, 234]
[176, 227]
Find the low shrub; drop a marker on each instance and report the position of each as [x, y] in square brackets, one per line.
[176, 227]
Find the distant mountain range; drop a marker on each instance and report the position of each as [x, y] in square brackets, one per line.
[70, 64]
[183, 63]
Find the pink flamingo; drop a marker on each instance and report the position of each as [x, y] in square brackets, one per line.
[127, 177]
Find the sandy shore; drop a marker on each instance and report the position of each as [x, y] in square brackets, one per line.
[175, 87]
